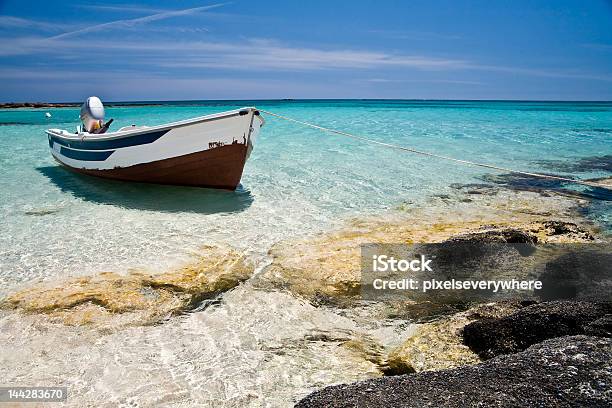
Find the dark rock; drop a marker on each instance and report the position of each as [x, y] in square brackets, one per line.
[583, 165]
[520, 182]
[600, 327]
[476, 188]
[580, 272]
[531, 325]
[553, 228]
[562, 372]
[502, 235]
[482, 254]
[545, 186]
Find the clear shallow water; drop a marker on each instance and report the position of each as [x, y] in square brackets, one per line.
[257, 349]
[251, 347]
[298, 180]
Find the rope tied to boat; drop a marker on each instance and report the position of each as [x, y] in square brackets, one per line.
[439, 156]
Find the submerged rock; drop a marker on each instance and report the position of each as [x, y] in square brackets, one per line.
[606, 181]
[326, 268]
[583, 165]
[562, 372]
[42, 212]
[439, 345]
[499, 235]
[476, 188]
[433, 346]
[491, 337]
[146, 297]
[546, 186]
[568, 229]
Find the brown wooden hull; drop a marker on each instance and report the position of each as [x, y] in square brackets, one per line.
[220, 167]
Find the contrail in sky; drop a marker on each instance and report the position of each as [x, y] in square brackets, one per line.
[135, 21]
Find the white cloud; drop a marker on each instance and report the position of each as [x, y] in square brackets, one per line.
[413, 35]
[121, 86]
[18, 22]
[121, 8]
[254, 55]
[546, 73]
[127, 23]
[433, 81]
[180, 57]
[239, 55]
[598, 46]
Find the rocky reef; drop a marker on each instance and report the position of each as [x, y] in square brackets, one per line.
[439, 344]
[326, 269]
[138, 297]
[542, 354]
[436, 350]
[566, 371]
[490, 337]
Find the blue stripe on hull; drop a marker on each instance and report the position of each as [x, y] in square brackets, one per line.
[85, 155]
[89, 144]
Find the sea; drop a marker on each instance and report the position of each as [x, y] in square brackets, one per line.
[298, 182]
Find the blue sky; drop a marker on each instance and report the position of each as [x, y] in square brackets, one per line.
[183, 49]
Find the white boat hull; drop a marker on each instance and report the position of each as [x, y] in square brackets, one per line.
[209, 151]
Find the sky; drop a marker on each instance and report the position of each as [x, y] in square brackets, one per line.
[193, 50]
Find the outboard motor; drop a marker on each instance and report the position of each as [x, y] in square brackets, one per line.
[92, 114]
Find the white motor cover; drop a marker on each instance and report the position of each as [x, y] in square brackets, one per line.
[92, 113]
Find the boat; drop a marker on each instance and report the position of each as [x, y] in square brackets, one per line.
[207, 151]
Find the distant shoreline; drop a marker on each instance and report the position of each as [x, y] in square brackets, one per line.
[16, 105]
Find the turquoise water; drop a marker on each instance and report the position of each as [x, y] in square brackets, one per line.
[298, 180]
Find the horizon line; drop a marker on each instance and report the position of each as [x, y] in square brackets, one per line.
[317, 99]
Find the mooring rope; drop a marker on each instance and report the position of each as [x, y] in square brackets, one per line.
[439, 156]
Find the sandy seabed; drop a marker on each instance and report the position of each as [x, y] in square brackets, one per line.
[226, 330]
